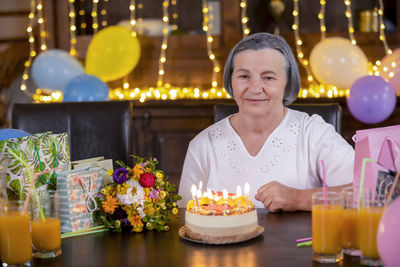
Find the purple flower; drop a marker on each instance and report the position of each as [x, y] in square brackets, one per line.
[120, 175]
[100, 195]
[154, 194]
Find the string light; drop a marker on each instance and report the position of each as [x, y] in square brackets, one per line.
[72, 27]
[244, 19]
[321, 17]
[31, 40]
[42, 31]
[207, 25]
[103, 13]
[350, 21]
[82, 13]
[299, 42]
[132, 17]
[139, 18]
[382, 36]
[174, 14]
[164, 44]
[95, 22]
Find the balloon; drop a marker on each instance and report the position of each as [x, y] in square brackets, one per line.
[337, 62]
[85, 88]
[6, 134]
[54, 68]
[388, 236]
[112, 53]
[371, 99]
[387, 65]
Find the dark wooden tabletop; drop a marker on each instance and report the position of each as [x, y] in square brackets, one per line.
[275, 247]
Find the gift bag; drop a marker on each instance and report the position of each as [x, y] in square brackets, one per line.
[106, 165]
[377, 144]
[77, 190]
[38, 152]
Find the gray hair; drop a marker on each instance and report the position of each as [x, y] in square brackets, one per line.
[260, 41]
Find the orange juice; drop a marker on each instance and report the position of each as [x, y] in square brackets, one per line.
[327, 228]
[368, 221]
[15, 238]
[349, 230]
[46, 235]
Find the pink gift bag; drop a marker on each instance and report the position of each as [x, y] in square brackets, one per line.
[380, 144]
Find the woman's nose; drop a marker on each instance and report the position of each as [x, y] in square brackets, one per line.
[256, 86]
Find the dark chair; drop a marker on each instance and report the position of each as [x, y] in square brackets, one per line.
[94, 128]
[330, 112]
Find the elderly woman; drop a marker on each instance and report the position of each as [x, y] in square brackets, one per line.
[275, 149]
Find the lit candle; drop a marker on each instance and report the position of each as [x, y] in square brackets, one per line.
[210, 197]
[246, 192]
[194, 191]
[198, 199]
[238, 195]
[225, 196]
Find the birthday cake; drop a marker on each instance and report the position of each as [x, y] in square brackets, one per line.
[216, 218]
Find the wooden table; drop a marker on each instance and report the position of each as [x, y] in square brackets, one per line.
[275, 247]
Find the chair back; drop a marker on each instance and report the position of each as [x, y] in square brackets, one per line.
[94, 128]
[330, 112]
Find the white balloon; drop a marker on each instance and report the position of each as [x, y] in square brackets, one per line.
[336, 61]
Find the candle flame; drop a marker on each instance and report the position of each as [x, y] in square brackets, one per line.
[224, 194]
[199, 193]
[200, 185]
[193, 190]
[238, 191]
[246, 188]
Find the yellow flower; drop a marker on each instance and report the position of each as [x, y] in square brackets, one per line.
[110, 172]
[103, 191]
[163, 194]
[137, 224]
[109, 205]
[117, 223]
[166, 228]
[174, 211]
[147, 191]
[134, 190]
[137, 171]
[122, 188]
[159, 174]
[174, 204]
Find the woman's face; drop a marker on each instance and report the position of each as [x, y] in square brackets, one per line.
[259, 81]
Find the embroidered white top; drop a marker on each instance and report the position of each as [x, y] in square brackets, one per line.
[291, 155]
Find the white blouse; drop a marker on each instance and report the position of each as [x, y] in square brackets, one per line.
[291, 155]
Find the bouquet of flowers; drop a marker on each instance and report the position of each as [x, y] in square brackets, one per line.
[138, 198]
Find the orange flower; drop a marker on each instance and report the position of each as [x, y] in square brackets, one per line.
[137, 224]
[137, 171]
[109, 205]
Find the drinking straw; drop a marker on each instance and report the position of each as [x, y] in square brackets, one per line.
[324, 182]
[389, 197]
[28, 195]
[365, 160]
[87, 231]
[301, 240]
[29, 175]
[304, 244]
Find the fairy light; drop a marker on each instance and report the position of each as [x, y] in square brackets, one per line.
[95, 21]
[174, 14]
[132, 16]
[72, 27]
[82, 13]
[40, 20]
[103, 13]
[207, 25]
[139, 18]
[163, 58]
[321, 17]
[244, 19]
[299, 42]
[31, 40]
[350, 21]
[382, 36]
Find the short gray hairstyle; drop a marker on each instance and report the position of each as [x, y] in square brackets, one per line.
[260, 41]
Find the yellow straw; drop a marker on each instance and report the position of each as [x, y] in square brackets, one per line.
[87, 231]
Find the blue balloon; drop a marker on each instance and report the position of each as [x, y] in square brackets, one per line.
[85, 88]
[371, 99]
[6, 134]
[54, 68]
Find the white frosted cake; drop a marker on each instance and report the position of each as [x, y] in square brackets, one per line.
[215, 221]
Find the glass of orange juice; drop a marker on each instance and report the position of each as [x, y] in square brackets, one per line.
[46, 226]
[349, 223]
[327, 227]
[370, 213]
[15, 234]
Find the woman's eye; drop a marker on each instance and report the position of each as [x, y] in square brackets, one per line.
[243, 76]
[268, 78]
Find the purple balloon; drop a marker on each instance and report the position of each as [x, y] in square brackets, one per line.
[371, 99]
[388, 236]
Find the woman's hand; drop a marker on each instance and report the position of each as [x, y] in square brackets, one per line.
[276, 197]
